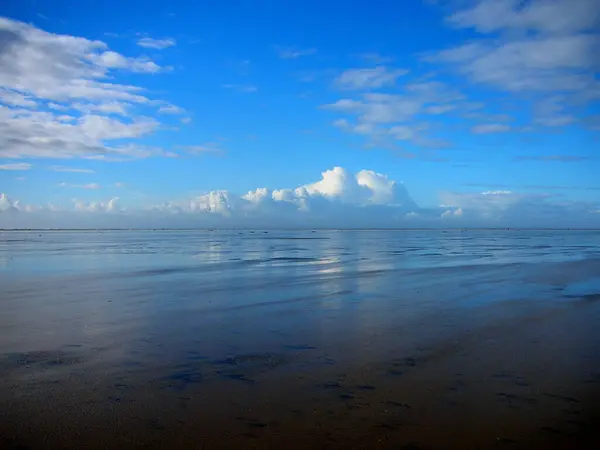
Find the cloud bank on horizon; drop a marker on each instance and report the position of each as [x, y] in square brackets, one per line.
[338, 199]
[490, 115]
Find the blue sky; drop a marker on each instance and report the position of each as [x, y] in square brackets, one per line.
[434, 113]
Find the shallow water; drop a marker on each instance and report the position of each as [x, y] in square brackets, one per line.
[320, 338]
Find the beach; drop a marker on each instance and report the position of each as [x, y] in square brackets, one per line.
[300, 339]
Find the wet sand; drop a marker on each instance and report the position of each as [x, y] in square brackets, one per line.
[494, 358]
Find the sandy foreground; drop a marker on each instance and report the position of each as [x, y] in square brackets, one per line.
[505, 375]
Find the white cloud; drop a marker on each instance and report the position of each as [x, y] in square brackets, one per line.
[14, 98]
[113, 107]
[100, 128]
[42, 73]
[450, 213]
[158, 44]
[505, 205]
[293, 52]
[114, 60]
[385, 118]
[31, 134]
[490, 128]
[15, 166]
[171, 109]
[547, 16]
[550, 112]
[379, 108]
[80, 186]
[108, 206]
[6, 204]
[339, 199]
[531, 49]
[365, 79]
[366, 187]
[554, 63]
[257, 196]
[70, 169]
[208, 147]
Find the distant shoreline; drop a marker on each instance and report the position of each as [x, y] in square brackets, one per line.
[302, 229]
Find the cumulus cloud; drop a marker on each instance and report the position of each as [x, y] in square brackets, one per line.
[59, 97]
[6, 204]
[362, 197]
[458, 212]
[108, 206]
[339, 198]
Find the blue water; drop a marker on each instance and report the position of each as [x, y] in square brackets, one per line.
[88, 286]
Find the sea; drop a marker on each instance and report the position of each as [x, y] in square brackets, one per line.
[240, 335]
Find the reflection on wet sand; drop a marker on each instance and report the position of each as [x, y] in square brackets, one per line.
[347, 340]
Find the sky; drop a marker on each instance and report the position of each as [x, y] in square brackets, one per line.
[414, 113]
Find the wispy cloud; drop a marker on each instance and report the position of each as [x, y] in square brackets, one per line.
[157, 44]
[375, 58]
[294, 52]
[70, 169]
[556, 158]
[245, 88]
[490, 128]
[15, 166]
[364, 79]
[531, 50]
[80, 186]
[385, 118]
[212, 147]
[171, 109]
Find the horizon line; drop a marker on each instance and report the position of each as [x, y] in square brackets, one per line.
[313, 229]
